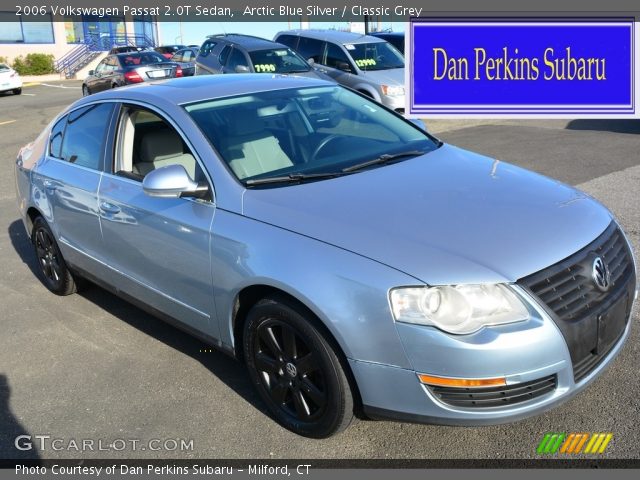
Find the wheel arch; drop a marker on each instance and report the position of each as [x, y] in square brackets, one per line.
[30, 218]
[252, 294]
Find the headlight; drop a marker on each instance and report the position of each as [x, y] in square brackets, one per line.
[392, 91]
[461, 309]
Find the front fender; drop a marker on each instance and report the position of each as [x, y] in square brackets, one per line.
[347, 292]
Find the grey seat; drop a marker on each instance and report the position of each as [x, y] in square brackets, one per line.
[250, 149]
[161, 148]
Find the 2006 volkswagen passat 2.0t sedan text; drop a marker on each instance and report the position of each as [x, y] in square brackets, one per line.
[354, 262]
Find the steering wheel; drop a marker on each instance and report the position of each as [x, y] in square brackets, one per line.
[326, 141]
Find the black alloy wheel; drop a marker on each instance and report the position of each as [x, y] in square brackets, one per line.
[295, 370]
[53, 269]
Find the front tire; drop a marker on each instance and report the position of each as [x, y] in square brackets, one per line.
[53, 269]
[296, 370]
[17, 91]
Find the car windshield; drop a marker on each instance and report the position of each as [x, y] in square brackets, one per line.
[375, 56]
[3, 67]
[141, 58]
[281, 60]
[306, 133]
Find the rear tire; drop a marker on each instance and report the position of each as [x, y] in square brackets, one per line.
[17, 91]
[53, 270]
[296, 370]
[114, 85]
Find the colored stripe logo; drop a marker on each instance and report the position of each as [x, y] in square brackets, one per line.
[574, 443]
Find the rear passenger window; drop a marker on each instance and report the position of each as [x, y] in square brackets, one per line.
[83, 142]
[55, 138]
[288, 40]
[311, 48]
[207, 47]
[224, 54]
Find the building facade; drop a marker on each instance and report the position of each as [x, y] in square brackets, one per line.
[23, 35]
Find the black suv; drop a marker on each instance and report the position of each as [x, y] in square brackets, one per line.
[236, 53]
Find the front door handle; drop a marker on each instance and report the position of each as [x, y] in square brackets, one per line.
[107, 207]
[49, 185]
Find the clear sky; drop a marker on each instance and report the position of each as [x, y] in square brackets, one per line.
[195, 32]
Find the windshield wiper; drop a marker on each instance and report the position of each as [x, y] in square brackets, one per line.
[292, 178]
[384, 158]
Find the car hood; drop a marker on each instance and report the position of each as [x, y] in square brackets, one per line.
[447, 217]
[393, 76]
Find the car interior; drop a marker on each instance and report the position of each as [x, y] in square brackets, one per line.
[147, 142]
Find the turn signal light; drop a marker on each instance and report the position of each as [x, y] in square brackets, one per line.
[462, 382]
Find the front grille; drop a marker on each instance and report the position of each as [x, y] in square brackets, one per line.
[567, 287]
[582, 311]
[486, 397]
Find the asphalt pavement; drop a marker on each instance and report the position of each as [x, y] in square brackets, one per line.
[91, 366]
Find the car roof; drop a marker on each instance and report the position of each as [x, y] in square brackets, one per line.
[388, 34]
[249, 42]
[204, 87]
[332, 35]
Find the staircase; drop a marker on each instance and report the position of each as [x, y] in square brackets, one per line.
[84, 53]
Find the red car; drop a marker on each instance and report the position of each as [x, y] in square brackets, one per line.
[168, 50]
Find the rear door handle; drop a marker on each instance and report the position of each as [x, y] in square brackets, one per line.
[49, 185]
[109, 207]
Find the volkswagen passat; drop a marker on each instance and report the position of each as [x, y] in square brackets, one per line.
[351, 260]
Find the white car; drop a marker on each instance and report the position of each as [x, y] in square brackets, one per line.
[9, 80]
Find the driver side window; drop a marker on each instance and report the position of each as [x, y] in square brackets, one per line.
[146, 142]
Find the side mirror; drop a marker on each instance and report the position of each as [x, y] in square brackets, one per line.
[311, 61]
[343, 66]
[171, 181]
[419, 123]
[91, 72]
[242, 69]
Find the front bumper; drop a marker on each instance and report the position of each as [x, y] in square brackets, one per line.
[396, 394]
[395, 103]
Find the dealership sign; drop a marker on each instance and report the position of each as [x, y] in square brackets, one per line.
[524, 68]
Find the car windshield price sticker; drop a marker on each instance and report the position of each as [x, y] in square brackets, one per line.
[265, 67]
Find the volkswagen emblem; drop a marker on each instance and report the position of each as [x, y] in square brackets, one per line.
[601, 274]
[291, 369]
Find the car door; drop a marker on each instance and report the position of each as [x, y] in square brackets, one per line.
[111, 75]
[339, 66]
[68, 178]
[95, 82]
[158, 248]
[237, 58]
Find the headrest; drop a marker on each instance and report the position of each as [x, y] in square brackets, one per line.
[159, 145]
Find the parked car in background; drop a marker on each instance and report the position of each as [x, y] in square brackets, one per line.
[127, 68]
[186, 58]
[394, 38]
[236, 53]
[351, 260]
[126, 49]
[367, 64]
[168, 50]
[10, 80]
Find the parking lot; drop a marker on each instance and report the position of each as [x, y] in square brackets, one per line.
[91, 366]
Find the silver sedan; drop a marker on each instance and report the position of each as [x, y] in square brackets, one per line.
[354, 262]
